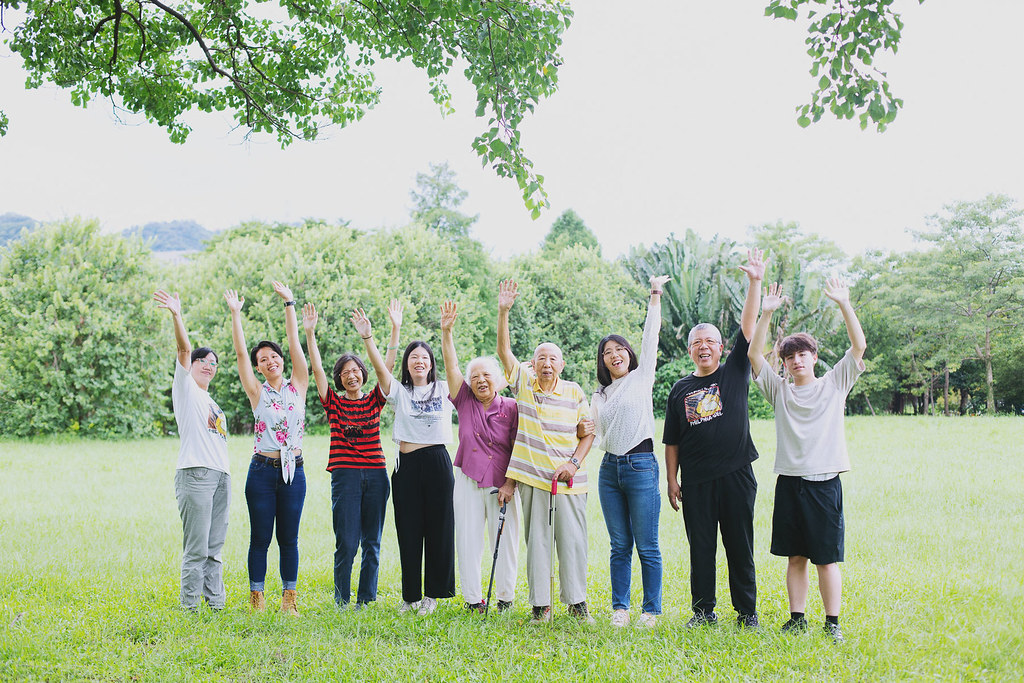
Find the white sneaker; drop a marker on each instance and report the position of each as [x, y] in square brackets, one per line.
[427, 607]
[647, 620]
[408, 607]
[620, 618]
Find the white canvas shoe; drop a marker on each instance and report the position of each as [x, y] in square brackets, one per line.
[427, 607]
[620, 618]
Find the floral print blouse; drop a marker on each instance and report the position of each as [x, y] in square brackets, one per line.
[280, 419]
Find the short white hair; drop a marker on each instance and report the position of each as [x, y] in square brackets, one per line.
[699, 327]
[488, 363]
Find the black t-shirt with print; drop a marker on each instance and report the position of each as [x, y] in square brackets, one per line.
[706, 417]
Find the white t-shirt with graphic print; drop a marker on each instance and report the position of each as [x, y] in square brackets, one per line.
[201, 424]
[422, 415]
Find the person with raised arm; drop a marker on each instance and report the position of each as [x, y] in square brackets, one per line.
[708, 452]
[275, 487]
[623, 414]
[422, 483]
[810, 454]
[547, 449]
[359, 478]
[487, 430]
[202, 480]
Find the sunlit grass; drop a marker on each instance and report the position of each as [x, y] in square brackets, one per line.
[934, 579]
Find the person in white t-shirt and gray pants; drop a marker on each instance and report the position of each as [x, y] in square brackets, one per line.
[202, 482]
[810, 453]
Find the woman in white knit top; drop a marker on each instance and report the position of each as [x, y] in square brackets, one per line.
[624, 421]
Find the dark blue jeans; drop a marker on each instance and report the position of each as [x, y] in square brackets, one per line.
[270, 500]
[359, 499]
[628, 486]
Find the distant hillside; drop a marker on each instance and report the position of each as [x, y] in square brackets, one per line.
[172, 235]
[11, 225]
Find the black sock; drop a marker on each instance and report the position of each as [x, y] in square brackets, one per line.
[796, 616]
[832, 620]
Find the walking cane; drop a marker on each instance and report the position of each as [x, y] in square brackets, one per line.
[551, 523]
[494, 562]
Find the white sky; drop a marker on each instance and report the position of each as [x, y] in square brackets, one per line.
[669, 115]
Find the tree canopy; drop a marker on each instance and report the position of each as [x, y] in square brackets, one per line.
[291, 68]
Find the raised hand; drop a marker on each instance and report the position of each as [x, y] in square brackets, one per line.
[755, 267]
[309, 318]
[361, 323]
[508, 290]
[395, 312]
[448, 315]
[283, 291]
[658, 282]
[235, 302]
[171, 302]
[773, 298]
[836, 289]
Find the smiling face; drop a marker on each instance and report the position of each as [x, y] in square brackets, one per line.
[351, 377]
[616, 358]
[548, 363]
[800, 366]
[269, 363]
[705, 348]
[419, 363]
[485, 379]
[203, 369]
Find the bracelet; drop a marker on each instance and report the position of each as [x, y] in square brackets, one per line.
[655, 291]
[392, 348]
[370, 337]
[289, 303]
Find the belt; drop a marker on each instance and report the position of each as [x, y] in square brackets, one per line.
[274, 462]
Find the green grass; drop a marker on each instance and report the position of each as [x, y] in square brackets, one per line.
[934, 579]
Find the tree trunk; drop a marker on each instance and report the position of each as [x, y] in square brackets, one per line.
[963, 401]
[945, 393]
[990, 396]
[867, 399]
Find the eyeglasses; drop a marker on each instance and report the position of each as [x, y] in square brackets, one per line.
[698, 342]
[211, 363]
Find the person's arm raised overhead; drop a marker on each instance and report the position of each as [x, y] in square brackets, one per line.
[309, 321]
[453, 374]
[395, 309]
[754, 270]
[837, 290]
[172, 303]
[300, 371]
[508, 290]
[245, 373]
[771, 302]
[365, 330]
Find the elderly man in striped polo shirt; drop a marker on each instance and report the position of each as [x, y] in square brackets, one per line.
[547, 448]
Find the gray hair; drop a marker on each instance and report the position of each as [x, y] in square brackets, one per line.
[487, 363]
[700, 327]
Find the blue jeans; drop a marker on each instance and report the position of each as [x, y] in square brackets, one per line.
[269, 499]
[359, 500]
[628, 487]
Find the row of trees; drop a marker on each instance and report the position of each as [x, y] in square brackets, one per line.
[87, 351]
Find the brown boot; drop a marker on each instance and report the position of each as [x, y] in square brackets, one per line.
[289, 603]
[256, 601]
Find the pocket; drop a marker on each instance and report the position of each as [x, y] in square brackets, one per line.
[643, 462]
[198, 473]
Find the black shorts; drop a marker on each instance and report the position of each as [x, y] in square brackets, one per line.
[808, 519]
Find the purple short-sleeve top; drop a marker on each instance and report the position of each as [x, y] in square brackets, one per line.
[486, 436]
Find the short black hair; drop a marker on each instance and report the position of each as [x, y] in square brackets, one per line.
[342, 362]
[406, 375]
[265, 344]
[795, 343]
[203, 352]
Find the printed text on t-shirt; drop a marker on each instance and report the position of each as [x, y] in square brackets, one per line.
[703, 405]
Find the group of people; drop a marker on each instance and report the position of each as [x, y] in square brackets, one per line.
[517, 456]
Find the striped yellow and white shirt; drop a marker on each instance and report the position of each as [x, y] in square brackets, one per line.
[546, 437]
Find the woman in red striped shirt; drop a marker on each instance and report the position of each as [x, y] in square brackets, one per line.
[359, 479]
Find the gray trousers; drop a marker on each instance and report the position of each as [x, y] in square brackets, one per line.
[570, 544]
[204, 498]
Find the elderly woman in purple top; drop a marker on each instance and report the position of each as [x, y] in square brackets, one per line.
[487, 430]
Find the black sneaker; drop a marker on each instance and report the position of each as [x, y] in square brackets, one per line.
[541, 614]
[702, 619]
[798, 625]
[834, 632]
[748, 621]
[504, 605]
[579, 610]
[476, 607]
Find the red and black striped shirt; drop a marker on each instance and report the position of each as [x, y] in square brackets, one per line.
[355, 430]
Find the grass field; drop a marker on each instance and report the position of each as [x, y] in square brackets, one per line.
[934, 579]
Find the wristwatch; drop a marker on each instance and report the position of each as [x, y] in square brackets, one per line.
[574, 461]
